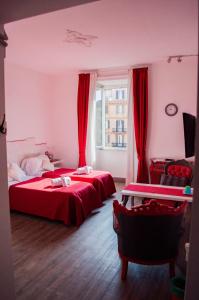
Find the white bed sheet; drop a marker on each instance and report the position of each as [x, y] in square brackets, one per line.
[26, 178]
[14, 181]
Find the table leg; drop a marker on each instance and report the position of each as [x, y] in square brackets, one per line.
[132, 201]
[125, 199]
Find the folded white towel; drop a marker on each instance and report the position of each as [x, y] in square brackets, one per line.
[84, 170]
[66, 181]
[89, 169]
[56, 182]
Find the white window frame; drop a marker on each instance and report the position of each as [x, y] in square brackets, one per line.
[103, 88]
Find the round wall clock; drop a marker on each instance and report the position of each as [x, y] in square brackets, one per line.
[171, 109]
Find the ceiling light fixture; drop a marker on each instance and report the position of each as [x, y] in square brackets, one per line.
[73, 36]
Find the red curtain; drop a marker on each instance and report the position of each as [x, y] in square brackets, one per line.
[140, 93]
[82, 114]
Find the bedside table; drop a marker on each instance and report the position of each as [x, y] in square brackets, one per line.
[56, 162]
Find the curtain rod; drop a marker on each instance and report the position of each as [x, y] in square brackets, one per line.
[116, 70]
[136, 66]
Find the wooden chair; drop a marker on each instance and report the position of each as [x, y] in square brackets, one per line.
[177, 173]
[148, 234]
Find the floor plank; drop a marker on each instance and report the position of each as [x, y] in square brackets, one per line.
[55, 262]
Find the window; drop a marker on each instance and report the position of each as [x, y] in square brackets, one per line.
[119, 139]
[107, 124]
[120, 125]
[106, 109]
[120, 93]
[119, 108]
[98, 98]
[107, 139]
[108, 94]
[111, 114]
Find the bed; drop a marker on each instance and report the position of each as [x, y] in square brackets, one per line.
[102, 181]
[70, 205]
[34, 194]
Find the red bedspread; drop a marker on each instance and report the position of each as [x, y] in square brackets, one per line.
[101, 180]
[68, 204]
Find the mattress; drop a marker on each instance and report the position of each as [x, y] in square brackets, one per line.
[101, 180]
[70, 205]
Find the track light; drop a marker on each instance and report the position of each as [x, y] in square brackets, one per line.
[169, 59]
[179, 59]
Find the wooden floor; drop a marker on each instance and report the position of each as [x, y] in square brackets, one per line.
[54, 262]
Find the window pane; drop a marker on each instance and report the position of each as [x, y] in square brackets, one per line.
[108, 94]
[99, 117]
[106, 109]
[111, 107]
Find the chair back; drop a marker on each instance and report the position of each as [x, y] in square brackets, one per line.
[148, 233]
[177, 173]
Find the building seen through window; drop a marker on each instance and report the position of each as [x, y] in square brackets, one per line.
[111, 114]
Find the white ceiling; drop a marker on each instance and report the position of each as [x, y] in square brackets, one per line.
[129, 32]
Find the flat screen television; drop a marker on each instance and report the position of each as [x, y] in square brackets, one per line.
[189, 122]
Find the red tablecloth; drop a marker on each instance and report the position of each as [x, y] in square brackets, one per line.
[101, 180]
[68, 204]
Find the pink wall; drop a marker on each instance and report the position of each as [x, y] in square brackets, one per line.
[27, 95]
[174, 82]
[43, 106]
[46, 107]
[64, 117]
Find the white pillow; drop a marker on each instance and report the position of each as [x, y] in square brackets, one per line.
[15, 172]
[10, 179]
[32, 166]
[43, 157]
[46, 164]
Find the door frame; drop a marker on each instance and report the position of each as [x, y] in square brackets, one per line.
[16, 10]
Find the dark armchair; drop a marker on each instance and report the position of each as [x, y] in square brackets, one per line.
[148, 234]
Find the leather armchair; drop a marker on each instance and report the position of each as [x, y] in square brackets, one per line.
[148, 234]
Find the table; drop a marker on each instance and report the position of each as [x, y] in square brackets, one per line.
[154, 191]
